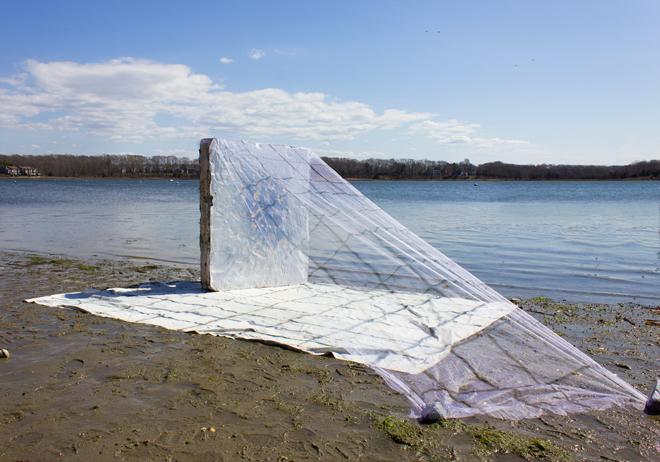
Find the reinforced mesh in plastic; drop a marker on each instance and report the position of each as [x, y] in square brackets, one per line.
[281, 216]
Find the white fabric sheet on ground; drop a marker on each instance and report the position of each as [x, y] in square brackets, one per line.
[405, 332]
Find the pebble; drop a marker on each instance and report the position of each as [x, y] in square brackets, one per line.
[4, 353]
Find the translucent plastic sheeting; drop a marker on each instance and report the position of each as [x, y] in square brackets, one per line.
[357, 283]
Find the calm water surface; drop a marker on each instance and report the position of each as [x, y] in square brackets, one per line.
[579, 241]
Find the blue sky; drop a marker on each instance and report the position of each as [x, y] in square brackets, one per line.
[519, 81]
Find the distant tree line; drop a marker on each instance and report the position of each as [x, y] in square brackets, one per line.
[399, 169]
[646, 169]
[107, 166]
[426, 169]
[170, 166]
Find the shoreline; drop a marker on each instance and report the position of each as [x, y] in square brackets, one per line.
[81, 386]
[7, 177]
[558, 296]
[549, 180]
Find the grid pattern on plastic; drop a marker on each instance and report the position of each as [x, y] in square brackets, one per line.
[514, 368]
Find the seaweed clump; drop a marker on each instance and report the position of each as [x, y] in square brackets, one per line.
[486, 441]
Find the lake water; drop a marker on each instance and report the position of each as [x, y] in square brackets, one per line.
[579, 241]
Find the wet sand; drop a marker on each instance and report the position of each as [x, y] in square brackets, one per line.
[81, 387]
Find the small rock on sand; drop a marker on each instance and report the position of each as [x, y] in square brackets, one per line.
[4, 353]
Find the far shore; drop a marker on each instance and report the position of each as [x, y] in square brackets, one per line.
[40, 177]
[474, 180]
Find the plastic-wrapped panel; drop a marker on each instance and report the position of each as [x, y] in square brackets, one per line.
[256, 232]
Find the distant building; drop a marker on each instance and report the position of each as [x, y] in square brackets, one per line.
[23, 170]
[28, 171]
[10, 170]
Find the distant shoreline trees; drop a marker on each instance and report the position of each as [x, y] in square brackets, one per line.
[375, 169]
[107, 166]
[133, 166]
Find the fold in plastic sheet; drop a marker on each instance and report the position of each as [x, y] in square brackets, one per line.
[300, 257]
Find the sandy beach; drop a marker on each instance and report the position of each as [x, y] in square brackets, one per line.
[81, 387]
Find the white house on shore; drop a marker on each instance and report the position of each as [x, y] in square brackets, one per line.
[22, 170]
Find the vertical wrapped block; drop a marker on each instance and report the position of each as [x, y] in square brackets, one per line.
[254, 229]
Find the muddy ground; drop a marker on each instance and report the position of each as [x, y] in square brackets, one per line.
[81, 387]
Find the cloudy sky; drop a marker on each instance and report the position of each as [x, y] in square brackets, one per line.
[518, 81]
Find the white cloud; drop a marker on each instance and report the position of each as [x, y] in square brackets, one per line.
[353, 154]
[13, 79]
[132, 100]
[256, 54]
[453, 131]
[226, 60]
[124, 78]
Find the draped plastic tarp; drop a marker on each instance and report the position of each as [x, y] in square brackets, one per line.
[300, 257]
